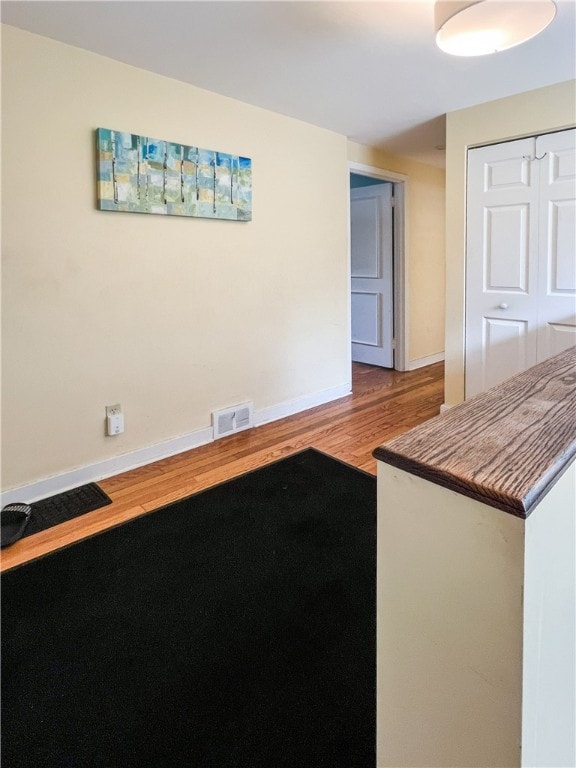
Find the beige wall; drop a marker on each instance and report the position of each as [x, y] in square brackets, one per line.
[425, 223]
[172, 317]
[448, 627]
[475, 628]
[526, 114]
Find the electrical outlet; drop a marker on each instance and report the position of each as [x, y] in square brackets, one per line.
[114, 420]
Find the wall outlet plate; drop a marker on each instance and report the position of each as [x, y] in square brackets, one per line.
[114, 420]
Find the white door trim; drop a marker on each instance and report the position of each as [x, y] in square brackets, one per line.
[400, 182]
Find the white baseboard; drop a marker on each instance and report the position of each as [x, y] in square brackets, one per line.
[445, 407]
[280, 411]
[421, 362]
[93, 472]
[101, 469]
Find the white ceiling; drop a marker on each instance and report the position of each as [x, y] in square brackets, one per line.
[368, 70]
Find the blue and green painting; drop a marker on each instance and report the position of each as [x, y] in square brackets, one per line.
[144, 175]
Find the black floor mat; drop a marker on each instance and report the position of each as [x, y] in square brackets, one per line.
[65, 506]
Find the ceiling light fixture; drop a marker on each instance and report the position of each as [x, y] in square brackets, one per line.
[487, 26]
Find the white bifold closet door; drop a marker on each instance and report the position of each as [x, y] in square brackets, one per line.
[520, 256]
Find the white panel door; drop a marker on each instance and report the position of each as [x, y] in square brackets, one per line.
[557, 248]
[501, 277]
[520, 256]
[372, 277]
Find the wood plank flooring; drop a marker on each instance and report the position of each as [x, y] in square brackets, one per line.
[384, 404]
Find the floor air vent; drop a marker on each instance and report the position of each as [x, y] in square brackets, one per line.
[231, 420]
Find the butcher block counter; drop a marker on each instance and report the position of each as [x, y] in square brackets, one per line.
[476, 580]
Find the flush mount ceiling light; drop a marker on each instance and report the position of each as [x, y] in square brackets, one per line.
[487, 26]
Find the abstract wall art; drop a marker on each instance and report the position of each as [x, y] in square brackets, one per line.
[145, 175]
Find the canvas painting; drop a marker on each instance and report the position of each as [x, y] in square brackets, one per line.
[145, 175]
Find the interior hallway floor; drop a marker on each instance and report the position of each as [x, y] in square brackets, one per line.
[383, 404]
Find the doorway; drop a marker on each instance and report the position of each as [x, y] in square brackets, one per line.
[377, 267]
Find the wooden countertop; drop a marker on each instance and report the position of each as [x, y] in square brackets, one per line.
[505, 447]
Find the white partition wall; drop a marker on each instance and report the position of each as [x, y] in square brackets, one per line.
[475, 629]
[549, 648]
[476, 581]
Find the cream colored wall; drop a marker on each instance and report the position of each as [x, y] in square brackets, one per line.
[525, 114]
[172, 317]
[475, 628]
[425, 225]
[449, 628]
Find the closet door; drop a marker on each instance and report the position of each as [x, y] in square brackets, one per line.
[501, 263]
[520, 256]
[557, 246]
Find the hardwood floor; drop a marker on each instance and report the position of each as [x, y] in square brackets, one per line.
[384, 403]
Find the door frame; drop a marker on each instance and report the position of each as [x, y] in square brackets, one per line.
[399, 257]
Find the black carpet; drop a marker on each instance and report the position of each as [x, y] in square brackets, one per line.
[234, 629]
